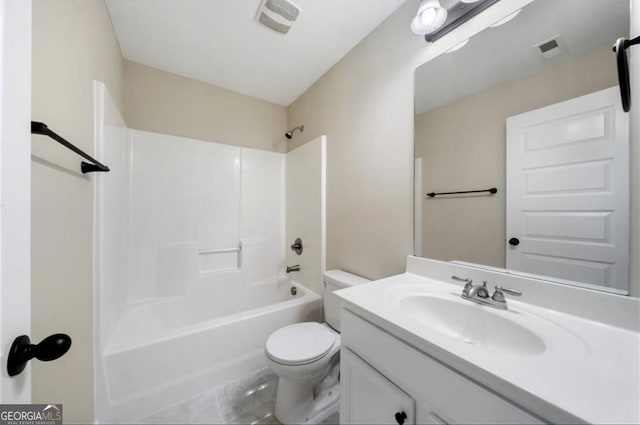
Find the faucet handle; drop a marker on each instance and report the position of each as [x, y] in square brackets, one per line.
[462, 279]
[498, 295]
[468, 284]
[510, 291]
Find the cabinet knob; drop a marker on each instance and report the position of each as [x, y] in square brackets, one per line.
[401, 417]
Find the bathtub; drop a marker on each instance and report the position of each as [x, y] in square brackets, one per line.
[166, 351]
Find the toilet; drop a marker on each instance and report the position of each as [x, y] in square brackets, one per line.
[305, 357]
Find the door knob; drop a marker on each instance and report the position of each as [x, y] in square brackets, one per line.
[401, 417]
[22, 350]
[514, 241]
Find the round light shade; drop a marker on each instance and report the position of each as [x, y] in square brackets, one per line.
[458, 46]
[506, 19]
[431, 16]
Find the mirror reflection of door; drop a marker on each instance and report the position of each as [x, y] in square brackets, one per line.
[568, 190]
[561, 210]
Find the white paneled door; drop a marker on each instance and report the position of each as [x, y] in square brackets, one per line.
[568, 191]
[15, 189]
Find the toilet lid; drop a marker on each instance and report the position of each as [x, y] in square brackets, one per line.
[300, 343]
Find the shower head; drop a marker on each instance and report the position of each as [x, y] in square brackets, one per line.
[289, 134]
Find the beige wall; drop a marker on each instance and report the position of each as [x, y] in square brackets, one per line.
[73, 44]
[463, 147]
[364, 105]
[166, 103]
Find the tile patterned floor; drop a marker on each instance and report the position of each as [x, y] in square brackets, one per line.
[249, 400]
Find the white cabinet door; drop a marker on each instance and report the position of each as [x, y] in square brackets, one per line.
[367, 397]
[568, 191]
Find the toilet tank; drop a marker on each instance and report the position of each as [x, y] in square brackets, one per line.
[335, 280]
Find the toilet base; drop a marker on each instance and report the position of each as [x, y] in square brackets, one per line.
[296, 402]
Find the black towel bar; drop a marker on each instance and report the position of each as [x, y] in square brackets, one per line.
[85, 167]
[492, 191]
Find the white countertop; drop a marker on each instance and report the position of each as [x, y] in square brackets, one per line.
[589, 371]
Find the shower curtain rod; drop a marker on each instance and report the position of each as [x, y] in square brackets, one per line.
[85, 167]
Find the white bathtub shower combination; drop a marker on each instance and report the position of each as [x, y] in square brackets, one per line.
[167, 351]
[190, 243]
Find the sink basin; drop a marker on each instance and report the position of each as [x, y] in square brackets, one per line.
[473, 324]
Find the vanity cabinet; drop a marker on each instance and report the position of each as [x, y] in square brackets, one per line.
[385, 380]
[373, 399]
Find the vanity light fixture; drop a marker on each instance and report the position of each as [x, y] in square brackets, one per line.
[431, 16]
[506, 19]
[457, 13]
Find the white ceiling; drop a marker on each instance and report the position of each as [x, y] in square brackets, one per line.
[221, 43]
[505, 53]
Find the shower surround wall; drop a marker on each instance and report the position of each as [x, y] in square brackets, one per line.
[174, 210]
[189, 216]
[189, 254]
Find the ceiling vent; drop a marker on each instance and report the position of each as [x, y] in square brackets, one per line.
[551, 48]
[279, 15]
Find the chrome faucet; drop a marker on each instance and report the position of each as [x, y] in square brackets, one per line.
[479, 294]
[295, 268]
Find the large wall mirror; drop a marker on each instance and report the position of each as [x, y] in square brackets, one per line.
[528, 112]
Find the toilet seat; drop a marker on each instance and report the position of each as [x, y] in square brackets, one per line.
[300, 343]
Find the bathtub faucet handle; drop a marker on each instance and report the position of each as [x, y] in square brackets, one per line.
[297, 246]
[295, 268]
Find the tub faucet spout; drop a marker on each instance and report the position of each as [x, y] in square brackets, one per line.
[295, 268]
